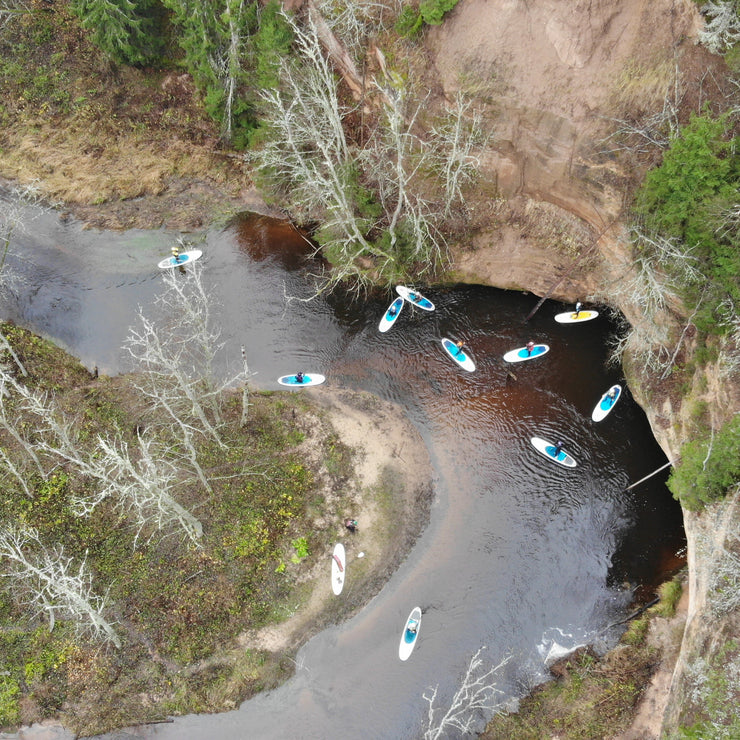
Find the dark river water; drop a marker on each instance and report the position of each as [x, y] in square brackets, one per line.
[520, 555]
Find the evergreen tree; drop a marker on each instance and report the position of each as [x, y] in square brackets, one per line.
[213, 36]
[128, 31]
[272, 43]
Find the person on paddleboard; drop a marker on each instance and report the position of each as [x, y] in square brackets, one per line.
[577, 312]
[558, 447]
[460, 347]
[612, 395]
[299, 377]
[176, 253]
[413, 627]
[393, 310]
[530, 347]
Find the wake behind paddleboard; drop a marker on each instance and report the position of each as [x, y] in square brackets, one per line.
[184, 258]
[549, 450]
[461, 357]
[338, 568]
[308, 379]
[522, 353]
[391, 314]
[410, 634]
[414, 297]
[606, 403]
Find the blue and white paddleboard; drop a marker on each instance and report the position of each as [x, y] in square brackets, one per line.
[390, 315]
[184, 258]
[308, 379]
[461, 357]
[548, 450]
[522, 354]
[410, 634]
[414, 297]
[606, 403]
[571, 317]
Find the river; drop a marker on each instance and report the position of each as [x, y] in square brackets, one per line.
[520, 556]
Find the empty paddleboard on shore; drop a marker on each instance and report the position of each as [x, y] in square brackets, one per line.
[606, 403]
[338, 565]
[461, 357]
[410, 634]
[549, 451]
[183, 258]
[571, 317]
[308, 379]
[522, 353]
[414, 297]
[391, 314]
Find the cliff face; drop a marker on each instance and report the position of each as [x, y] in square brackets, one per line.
[556, 80]
[551, 79]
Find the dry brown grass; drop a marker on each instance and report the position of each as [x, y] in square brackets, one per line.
[90, 135]
[643, 85]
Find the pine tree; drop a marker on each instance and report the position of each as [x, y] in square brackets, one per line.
[213, 36]
[128, 31]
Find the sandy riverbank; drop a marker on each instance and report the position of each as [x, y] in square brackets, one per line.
[390, 495]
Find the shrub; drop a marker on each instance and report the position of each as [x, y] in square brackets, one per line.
[708, 468]
[433, 11]
[409, 22]
[685, 199]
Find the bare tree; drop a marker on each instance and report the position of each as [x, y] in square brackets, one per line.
[12, 396]
[50, 582]
[457, 139]
[477, 694]
[229, 65]
[382, 201]
[19, 475]
[175, 358]
[139, 486]
[652, 130]
[10, 9]
[722, 31]
[354, 21]
[661, 267]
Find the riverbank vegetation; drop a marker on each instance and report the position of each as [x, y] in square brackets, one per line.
[595, 696]
[136, 548]
[361, 154]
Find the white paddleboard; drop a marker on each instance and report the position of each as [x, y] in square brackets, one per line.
[308, 379]
[606, 404]
[414, 297]
[461, 357]
[184, 258]
[522, 353]
[391, 314]
[571, 317]
[410, 634]
[548, 450]
[338, 568]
